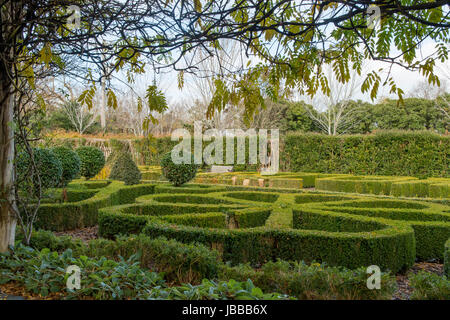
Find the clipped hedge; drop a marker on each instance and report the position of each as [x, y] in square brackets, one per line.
[379, 185]
[418, 154]
[74, 215]
[353, 242]
[430, 221]
[429, 188]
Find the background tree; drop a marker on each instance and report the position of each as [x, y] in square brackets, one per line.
[334, 113]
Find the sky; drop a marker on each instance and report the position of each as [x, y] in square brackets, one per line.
[405, 79]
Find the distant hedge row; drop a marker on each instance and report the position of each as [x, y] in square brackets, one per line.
[396, 153]
[419, 154]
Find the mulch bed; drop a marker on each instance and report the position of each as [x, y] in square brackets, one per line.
[404, 290]
[84, 234]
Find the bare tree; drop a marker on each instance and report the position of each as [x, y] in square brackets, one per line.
[79, 115]
[222, 62]
[335, 111]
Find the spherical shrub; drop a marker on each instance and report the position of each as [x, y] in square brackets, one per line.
[178, 174]
[92, 161]
[124, 169]
[48, 167]
[71, 164]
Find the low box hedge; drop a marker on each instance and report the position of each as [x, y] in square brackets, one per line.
[74, 215]
[430, 221]
[429, 188]
[358, 241]
[379, 185]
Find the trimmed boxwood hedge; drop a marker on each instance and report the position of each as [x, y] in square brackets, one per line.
[73, 215]
[429, 188]
[430, 221]
[351, 231]
[353, 242]
[379, 185]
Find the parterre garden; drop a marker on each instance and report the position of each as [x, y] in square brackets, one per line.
[301, 235]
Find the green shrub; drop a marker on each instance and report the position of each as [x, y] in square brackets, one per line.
[124, 169]
[101, 278]
[92, 161]
[429, 286]
[180, 262]
[191, 263]
[44, 272]
[178, 174]
[70, 162]
[48, 166]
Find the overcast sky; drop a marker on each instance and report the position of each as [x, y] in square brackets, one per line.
[407, 80]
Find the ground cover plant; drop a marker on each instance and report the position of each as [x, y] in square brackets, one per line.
[44, 273]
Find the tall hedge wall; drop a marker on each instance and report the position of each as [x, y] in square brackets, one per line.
[391, 153]
[419, 154]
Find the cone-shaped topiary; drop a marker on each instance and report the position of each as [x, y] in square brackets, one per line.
[70, 162]
[178, 174]
[92, 161]
[124, 169]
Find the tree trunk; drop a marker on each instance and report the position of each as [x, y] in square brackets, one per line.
[7, 215]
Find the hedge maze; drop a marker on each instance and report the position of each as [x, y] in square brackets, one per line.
[261, 224]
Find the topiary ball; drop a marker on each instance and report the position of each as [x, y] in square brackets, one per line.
[124, 169]
[92, 161]
[71, 164]
[48, 166]
[178, 174]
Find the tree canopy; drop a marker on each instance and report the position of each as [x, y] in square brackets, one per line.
[286, 42]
